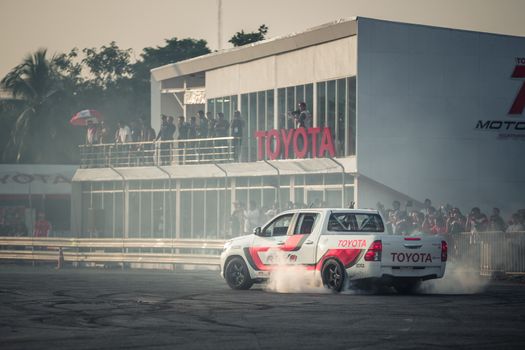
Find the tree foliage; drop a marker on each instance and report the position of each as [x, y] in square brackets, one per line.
[108, 64]
[241, 38]
[36, 87]
[49, 90]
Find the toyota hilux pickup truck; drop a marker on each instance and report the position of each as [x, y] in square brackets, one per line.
[338, 246]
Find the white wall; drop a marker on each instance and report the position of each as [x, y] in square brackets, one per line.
[326, 61]
[421, 92]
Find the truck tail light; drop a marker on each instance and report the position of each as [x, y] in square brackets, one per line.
[444, 251]
[374, 252]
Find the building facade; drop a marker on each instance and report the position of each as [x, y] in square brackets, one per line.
[398, 112]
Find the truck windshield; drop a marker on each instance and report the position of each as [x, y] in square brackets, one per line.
[355, 222]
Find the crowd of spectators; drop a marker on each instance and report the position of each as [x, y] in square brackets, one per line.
[201, 126]
[12, 223]
[398, 220]
[447, 219]
[146, 152]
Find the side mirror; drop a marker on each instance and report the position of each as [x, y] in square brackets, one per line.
[257, 231]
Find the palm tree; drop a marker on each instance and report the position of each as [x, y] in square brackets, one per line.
[34, 84]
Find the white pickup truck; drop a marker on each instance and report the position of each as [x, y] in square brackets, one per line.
[336, 245]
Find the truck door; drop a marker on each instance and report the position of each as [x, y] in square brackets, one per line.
[267, 245]
[300, 245]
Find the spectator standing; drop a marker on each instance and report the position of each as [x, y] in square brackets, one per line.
[252, 217]
[42, 226]
[122, 136]
[103, 133]
[515, 224]
[304, 118]
[147, 133]
[440, 226]
[202, 130]
[91, 139]
[135, 131]
[192, 128]
[273, 211]
[221, 126]
[165, 134]
[237, 219]
[92, 133]
[123, 133]
[236, 129]
[401, 224]
[221, 130]
[477, 221]
[182, 134]
[427, 205]
[211, 124]
[417, 218]
[496, 222]
[183, 128]
[456, 222]
[146, 136]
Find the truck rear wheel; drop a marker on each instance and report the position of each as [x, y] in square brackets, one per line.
[237, 275]
[333, 275]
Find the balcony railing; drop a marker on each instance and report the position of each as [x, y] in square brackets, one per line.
[152, 153]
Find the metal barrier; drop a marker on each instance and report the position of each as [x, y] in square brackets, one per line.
[493, 252]
[103, 250]
[129, 154]
[490, 252]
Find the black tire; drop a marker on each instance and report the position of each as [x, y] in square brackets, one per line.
[406, 287]
[333, 275]
[237, 275]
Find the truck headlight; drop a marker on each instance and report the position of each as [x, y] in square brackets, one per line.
[227, 245]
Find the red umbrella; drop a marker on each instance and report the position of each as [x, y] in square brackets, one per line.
[82, 117]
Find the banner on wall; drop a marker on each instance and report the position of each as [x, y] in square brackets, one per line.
[36, 179]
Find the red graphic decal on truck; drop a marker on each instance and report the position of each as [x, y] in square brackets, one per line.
[347, 257]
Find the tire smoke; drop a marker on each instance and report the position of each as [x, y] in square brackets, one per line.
[460, 278]
[294, 279]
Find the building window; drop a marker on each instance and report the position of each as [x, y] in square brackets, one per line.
[226, 105]
[257, 113]
[336, 110]
[288, 100]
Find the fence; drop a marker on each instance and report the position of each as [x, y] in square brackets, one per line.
[102, 250]
[190, 151]
[488, 252]
[492, 252]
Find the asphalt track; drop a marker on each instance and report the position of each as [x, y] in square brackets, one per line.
[41, 308]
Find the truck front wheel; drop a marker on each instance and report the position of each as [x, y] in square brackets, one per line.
[237, 275]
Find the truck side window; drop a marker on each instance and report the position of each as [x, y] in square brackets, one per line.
[355, 222]
[278, 227]
[305, 224]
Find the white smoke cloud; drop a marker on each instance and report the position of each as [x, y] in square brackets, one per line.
[294, 279]
[459, 278]
[286, 278]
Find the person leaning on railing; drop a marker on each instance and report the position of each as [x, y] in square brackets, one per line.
[515, 224]
[167, 129]
[236, 129]
[122, 137]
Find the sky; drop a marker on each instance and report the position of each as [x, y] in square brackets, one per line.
[60, 25]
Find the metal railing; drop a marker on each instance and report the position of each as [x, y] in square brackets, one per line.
[492, 252]
[107, 250]
[486, 252]
[190, 151]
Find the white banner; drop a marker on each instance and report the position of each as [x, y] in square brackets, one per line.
[36, 179]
